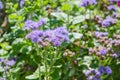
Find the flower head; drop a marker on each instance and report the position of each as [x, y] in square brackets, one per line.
[22, 2]
[2, 60]
[10, 62]
[108, 70]
[1, 5]
[103, 52]
[55, 37]
[108, 21]
[112, 7]
[41, 22]
[103, 69]
[88, 2]
[29, 24]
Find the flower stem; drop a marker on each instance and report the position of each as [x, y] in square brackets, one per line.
[38, 63]
[45, 64]
[39, 72]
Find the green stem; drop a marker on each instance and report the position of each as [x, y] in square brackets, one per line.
[45, 63]
[38, 63]
[53, 60]
[39, 72]
[68, 20]
[10, 75]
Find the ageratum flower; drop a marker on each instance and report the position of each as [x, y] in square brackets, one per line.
[22, 2]
[103, 52]
[112, 7]
[88, 2]
[108, 70]
[93, 75]
[2, 60]
[1, 5]
[108, 21]
[103, 69]
[35, 36]
[92, 71]
[99, 34]
[41, 22]
[10, 62]
[29, 24]
[55, 37]
[94, 78]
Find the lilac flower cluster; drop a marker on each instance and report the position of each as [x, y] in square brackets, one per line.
[103, 52]
[109, 43]
[1, 5]
[94, 74]
[108, 21]
[29, 24]
[99, 50]
[22, 2]
[99, 34]
[55, 37]
[88, 2]
[103, 70]
[112, 7]
[10, 62]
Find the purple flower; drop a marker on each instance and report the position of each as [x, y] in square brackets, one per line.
[22, 2]
[109, 20]
[100, 34]
[41, 22]
[2, 60]
[90, 78]
[1, 5]
[10, 62]
[108, 70]
[29, 24]
[93, 75]
[103, 52]
[88, 2]
[94, 78]
[106, 23]
[112, 7]
[35, 35]
[55, 37]
[57, 42]
[92, 71]
[101, 70]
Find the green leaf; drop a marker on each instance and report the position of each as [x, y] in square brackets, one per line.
[1, 69]
[78, 19]
[60, 15]
[72, 72]
[66, 7]
[3, 52]
[35, 75]
[75, 36]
